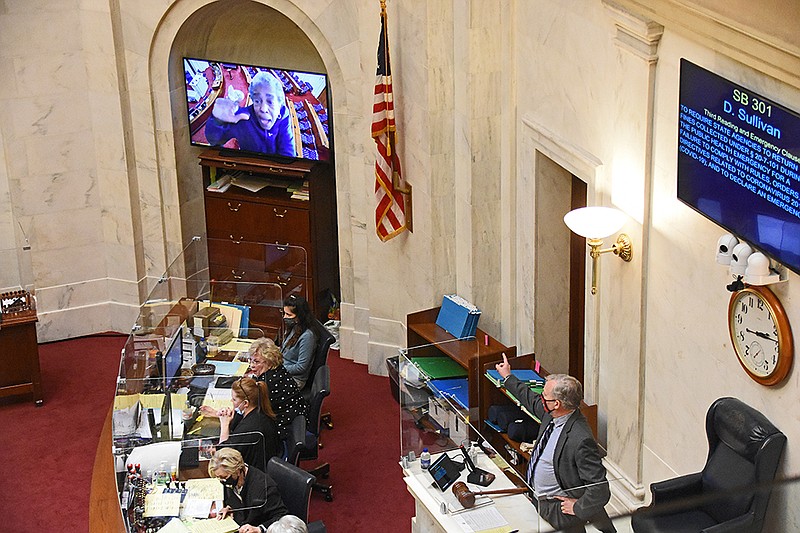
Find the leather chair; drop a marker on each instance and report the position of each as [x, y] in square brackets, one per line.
[321, 388]
[294, 485]
[320, 360]
[732, 491]
[296, 439]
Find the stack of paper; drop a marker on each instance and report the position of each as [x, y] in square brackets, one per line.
[458, 317]
[299, 190]
[221, 185]
[210, 525]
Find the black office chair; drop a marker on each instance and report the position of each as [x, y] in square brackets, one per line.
[732, 491]
[321, 388]
[294, 485]
[320, 360]
[296, 439]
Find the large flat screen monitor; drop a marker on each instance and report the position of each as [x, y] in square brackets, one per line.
[739, 162]
[271, 112]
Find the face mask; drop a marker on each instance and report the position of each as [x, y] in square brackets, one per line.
[238, 409]
[289, 323]
[229, 481]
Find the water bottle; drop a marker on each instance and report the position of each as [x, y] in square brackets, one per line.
[425, 459]
[162, 474]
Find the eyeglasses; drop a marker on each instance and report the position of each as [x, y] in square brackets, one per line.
[239, 382]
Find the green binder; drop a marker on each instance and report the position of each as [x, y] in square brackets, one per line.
[439, 367]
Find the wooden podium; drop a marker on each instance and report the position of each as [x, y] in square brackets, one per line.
[19, 350]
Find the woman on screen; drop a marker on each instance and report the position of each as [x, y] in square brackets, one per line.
[264, 127]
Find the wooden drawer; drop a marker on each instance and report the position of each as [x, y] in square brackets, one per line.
[255, 288]
[286, 225]
[230, 273]
[298, 285]
[267, 319]
[260, 257]
[239, 220]
[289, 259]
[237, 254]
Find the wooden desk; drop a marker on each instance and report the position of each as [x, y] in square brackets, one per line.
[19, 359]
[105, 515]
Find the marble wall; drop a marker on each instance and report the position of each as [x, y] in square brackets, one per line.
[96, 174]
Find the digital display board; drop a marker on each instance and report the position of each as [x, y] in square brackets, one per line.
[739, 162]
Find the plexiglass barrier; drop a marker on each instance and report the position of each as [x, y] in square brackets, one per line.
[476, 451]
[477, 472]
[174, 410]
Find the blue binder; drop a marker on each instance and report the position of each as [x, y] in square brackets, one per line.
[455, 388]
[458, 317]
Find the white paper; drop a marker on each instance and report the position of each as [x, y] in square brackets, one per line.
[196, 508]
[174, 526]
[481, 519]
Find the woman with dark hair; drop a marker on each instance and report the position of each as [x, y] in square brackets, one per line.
[250, 425]
[300, 338]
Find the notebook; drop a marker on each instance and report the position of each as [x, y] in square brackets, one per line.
[439, 367]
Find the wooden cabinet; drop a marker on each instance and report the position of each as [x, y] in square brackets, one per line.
[425, 338]
[269, 236]
[19, 359]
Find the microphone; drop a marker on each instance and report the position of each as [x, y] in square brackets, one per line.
[476, 475]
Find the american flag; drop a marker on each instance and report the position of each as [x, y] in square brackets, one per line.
[390, 191]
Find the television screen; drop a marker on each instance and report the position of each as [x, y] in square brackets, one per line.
[258, 110]
[739, 162]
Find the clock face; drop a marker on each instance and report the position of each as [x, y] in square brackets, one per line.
[760, 334]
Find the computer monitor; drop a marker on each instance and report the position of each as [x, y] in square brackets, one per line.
[173, 358]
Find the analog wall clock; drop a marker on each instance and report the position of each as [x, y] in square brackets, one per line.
[761, 334]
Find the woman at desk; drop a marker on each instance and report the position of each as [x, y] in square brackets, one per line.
[300, 338]
[250, 425]
[250, 494]
[266, 364]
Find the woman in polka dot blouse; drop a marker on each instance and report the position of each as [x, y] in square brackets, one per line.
[266, 364]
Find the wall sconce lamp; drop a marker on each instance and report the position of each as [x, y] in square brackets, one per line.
[595, 224]
[746, 265]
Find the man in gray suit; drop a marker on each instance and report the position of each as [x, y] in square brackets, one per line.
[566, 471]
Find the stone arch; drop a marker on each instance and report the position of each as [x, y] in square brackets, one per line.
[181, 212]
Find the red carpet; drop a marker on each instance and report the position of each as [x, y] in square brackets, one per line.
[363, 450]
[48, 452]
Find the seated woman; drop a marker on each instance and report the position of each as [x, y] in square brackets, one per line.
[266, 364]
[300, 338]
[250, 425]
[250, 494]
